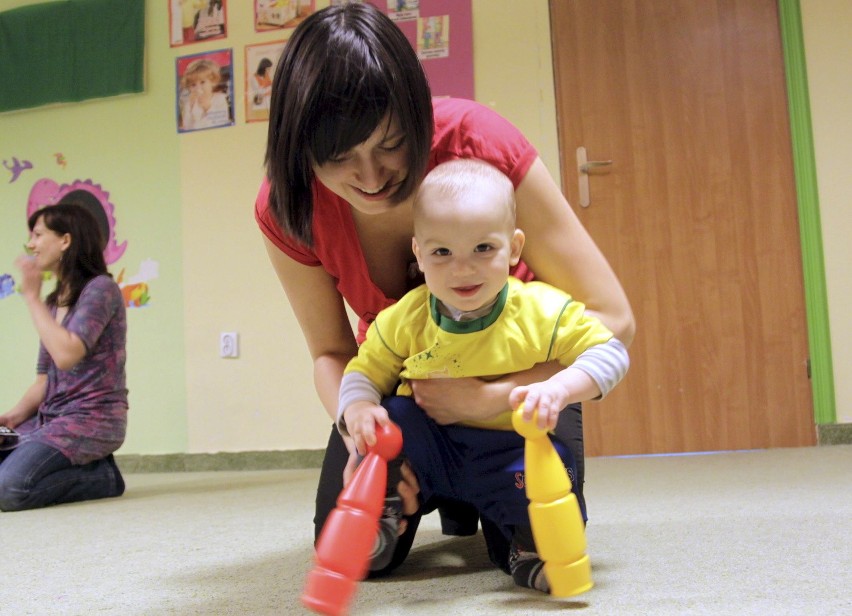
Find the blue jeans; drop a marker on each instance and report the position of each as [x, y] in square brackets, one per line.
[35, 475]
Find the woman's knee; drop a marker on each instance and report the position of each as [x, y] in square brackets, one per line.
[13, 493]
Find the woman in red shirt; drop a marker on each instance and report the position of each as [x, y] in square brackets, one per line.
[352, 132]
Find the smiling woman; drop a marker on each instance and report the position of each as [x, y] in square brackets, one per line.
[74, 416]
[352, 132]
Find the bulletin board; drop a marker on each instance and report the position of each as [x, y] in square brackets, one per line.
[61, 52]
[441, 31]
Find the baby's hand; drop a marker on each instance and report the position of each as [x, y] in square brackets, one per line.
[361, 419]
[545, 399]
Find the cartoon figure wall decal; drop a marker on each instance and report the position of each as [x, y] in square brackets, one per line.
[17, 167]
[135, 289]
[7, 285]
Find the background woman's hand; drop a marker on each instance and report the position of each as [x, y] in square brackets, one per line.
[31, 276]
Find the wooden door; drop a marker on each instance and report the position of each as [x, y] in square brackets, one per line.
[696, 213]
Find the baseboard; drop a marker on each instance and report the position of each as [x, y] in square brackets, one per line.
[827, 434]
[835, 434]
[222, 461]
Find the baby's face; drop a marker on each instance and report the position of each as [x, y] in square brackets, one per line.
[465, 249]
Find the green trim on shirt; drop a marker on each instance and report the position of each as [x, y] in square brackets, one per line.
[474, 325]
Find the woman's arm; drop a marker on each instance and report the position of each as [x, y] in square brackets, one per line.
[28, 405]
[64, 347]
[562, 253]
[322, 317]
[449, 401]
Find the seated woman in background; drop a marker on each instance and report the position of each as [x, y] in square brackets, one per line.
[74, 416]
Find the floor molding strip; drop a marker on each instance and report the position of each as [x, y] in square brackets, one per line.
[222, 461]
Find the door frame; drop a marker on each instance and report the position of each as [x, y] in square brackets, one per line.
[807, 197]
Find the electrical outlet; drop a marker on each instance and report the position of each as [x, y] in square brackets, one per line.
[229, 344]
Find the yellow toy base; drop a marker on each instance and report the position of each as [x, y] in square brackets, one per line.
[567, 580]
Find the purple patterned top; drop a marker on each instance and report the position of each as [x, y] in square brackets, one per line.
[84, 413]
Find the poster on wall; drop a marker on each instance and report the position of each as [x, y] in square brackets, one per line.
[261, 61]
[205, 90]
[403, 10]
[280, 14]
[427, 24]
[193, 21]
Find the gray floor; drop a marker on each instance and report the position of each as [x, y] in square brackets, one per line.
[763, 532]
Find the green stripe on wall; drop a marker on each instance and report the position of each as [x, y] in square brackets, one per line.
[810, 228]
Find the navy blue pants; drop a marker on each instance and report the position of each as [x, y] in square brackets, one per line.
[457, 518]
[483, 468]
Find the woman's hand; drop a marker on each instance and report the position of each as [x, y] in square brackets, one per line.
[28, 405]
[449, 401]
[352, 462]
[31, 276]
[408, 489]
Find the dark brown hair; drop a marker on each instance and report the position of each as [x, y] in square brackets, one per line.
[343, 69]
[84, 257]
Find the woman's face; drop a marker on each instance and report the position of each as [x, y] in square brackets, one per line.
[368, 175]
[47, 246]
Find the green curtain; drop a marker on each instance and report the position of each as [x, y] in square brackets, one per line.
[69, 51]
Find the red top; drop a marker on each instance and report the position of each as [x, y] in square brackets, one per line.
[463, 129]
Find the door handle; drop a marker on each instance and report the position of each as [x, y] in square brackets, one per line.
[584, 166]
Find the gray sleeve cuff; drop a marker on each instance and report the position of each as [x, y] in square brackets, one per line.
[606, 363]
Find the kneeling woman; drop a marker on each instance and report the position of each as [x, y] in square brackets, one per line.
[75, 414]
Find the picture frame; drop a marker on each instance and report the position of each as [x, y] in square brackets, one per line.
[196, 21]
[204, 90]
[260, 62]
[281, 14]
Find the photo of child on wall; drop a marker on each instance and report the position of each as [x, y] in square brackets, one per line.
[261, 61]
[192, 21]
[205, 90]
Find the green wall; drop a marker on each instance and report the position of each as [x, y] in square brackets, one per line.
[128, 146]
